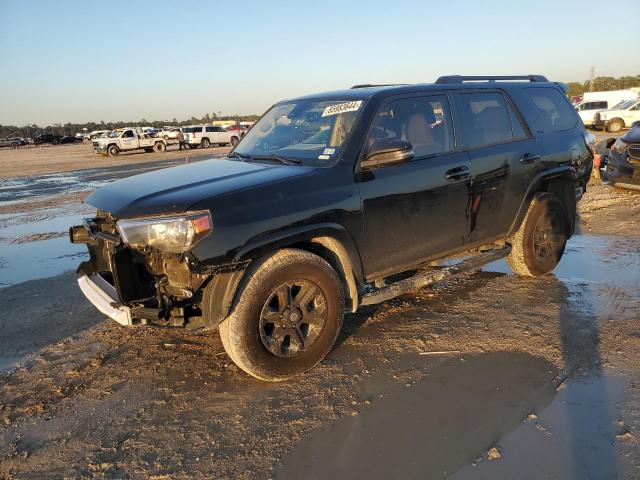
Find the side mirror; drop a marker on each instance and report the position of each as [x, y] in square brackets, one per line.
[387, 152]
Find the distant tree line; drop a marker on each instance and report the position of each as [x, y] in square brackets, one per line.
[34, 130]
[603, 84]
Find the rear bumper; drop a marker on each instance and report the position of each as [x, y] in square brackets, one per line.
[104, 297]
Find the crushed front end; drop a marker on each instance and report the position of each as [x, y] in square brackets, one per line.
[134, 283]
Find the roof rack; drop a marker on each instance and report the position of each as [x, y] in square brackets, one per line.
[365, 85]
[490, 78]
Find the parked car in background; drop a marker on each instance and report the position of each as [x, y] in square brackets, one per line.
[98, 134]
[13, 142]
[70, 139]
[588, 110]
[205, 135]
[621, 116]
[52, 138]
[621, 167]
[128, 139]
[238, 129]
[169, 133]
[326, 200]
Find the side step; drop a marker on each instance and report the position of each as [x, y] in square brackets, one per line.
[423, 279]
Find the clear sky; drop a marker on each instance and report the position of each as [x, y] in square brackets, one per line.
[88, 60]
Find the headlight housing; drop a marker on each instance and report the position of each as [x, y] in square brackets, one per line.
[170, 233]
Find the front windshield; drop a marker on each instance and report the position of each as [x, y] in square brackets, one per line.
[623, 105]
[115, 133]
[302, 130]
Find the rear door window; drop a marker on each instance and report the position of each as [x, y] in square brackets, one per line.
[486, 118]
[554, 108]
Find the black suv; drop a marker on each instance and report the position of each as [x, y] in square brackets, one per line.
[52, 138]
[338, 200]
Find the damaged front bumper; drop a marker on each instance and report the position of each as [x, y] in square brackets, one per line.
[103, 296]
[137, 286]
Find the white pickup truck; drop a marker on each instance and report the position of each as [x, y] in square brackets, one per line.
[127, 139]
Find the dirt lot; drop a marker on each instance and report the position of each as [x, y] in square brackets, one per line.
[63, 158]
[487, 376]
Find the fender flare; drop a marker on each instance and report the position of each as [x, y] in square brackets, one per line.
[561, 172]
[220, 294]
[329, 240]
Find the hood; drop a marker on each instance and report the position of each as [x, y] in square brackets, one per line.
[632, 136]
[175, 189]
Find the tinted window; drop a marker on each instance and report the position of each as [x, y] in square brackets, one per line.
[517, 129]
[127, 134]
[556, 112]
[425, 122]
[484, 119]
[600, 105]
[210, 129]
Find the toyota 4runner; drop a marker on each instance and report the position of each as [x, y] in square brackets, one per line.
[338, 200]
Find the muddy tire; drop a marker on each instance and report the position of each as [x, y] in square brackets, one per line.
[287, 317]
[204, 143]
[159, 147]
[538, 245]
[615, 125]
[113, 150]
[235, 141]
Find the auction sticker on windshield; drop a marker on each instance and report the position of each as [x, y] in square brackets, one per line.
[341, 108]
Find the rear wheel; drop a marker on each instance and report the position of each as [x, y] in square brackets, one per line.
[538, 245]
[615, 125]
[204, 143]
[159, 147]
[287, 318]
[235, 141]
[113, 150]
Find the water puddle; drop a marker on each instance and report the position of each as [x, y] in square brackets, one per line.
[34, 243]
[431, 428]
[506, 405]
[578, 436]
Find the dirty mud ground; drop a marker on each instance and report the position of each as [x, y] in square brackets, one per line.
[486, 376]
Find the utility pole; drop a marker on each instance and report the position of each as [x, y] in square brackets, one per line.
[592, 77]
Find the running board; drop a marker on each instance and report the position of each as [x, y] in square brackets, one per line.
[423, 279]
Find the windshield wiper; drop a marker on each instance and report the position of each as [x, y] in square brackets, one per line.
[277, 158]
[235, 154]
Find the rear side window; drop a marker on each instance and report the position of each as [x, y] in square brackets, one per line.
[210, 129]
[556, 112]
[487, 119]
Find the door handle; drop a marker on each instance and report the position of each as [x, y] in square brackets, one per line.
[529, 158]
[458, 173]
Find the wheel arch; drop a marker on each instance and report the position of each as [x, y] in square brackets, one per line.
[330, 241]
[559, 181]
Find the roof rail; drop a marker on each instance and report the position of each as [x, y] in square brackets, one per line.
[490, 78]
[365, 85]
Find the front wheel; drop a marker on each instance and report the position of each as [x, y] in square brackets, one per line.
[538, 245]
[113, 150]
[615, 126]
[287, 317]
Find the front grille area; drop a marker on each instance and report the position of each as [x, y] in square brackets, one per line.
[634, 151]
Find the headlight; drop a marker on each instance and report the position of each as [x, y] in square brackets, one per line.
[171, 233]
[619, 146]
